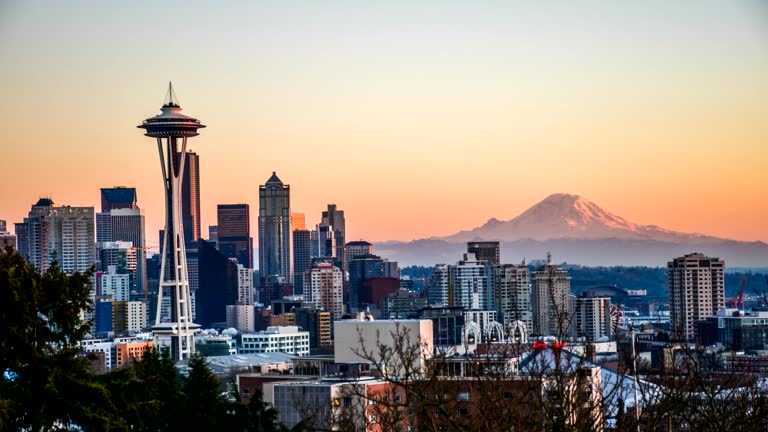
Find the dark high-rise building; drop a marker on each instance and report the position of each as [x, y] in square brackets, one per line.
[190, 197]
[274, 228]
[362, 268]
[234, 232]
[218, 285]
[323, 242]
[302, 259]
[213, 235]
[118, 197]
[335, 219]
[318, 323]
[485, 251]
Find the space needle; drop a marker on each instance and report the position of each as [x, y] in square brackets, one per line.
[171, 128]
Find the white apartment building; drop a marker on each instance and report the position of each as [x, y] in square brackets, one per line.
[696, 291]
[276, 339]
[115, 284]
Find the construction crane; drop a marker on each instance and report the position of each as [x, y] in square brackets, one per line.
[739, 299]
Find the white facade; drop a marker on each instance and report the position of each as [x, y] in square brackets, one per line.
[276, 339]
[592, 317]
[244, 285]
[348, 334]
[512, 294]
[241, 317]
[115, 284]
[470, 282]
[324, 287]
[551, 301]
[137, 316]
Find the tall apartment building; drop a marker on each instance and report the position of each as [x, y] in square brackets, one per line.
[115, 284]
[512, 294]
[324, 287]
[274, 228]
[244, 285]
[696, 292]
[128, 316]
[234, 233]
[470, 284]
[121, 220]
[551, 301]
[437, 286]
[591, 317]
[66, 233]
[241, 317]
[485, 251]
[125, 259]
[302, 258]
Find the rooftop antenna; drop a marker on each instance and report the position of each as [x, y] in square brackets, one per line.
[170, 96]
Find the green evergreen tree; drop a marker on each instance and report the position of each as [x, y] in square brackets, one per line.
[204, 407]
[45, 382]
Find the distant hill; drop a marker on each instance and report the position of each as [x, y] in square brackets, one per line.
[577, 231]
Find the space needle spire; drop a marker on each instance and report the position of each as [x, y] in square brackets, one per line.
[171, 129]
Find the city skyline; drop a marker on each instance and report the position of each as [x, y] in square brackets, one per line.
[625, 111]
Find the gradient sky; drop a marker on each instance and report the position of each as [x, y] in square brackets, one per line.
[416, 118]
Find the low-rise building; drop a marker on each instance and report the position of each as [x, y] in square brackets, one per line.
[288, 339]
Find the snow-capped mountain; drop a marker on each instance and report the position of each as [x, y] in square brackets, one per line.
[564, 216]
[577, 231]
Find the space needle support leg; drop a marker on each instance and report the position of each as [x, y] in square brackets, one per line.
[165, 235]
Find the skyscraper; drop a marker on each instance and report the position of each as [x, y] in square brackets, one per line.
[323, 241]
[470, 281]
[355, 249]
[591, 316]
[190, 197]
[696, 291]
[171, 129]
[512, 294]
[485, 251]
[274, 228]
[64, 233]
[298, 221]
[213, 235]
[234, 233]
[335, 218]
[551, 301]
[124, 224]
[118, 197]
[302, 259]
[363, 268]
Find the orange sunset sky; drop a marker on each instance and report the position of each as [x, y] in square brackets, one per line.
[418, 118]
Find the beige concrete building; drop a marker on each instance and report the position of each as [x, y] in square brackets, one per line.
[696, 291]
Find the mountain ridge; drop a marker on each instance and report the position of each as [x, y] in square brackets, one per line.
[578, 231]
